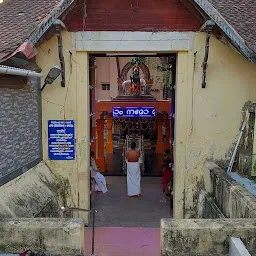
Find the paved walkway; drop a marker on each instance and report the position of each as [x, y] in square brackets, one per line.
[116, 209]
[124, 242]
[128, 226]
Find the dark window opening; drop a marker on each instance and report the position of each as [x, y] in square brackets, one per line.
[105, 87]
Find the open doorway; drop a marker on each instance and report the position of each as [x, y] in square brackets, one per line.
[121, 115]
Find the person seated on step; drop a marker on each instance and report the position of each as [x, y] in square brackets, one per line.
[100, 181]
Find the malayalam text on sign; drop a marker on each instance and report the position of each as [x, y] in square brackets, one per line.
[61, 139]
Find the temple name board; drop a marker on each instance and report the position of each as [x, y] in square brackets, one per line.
[61, 139]
[134, 112]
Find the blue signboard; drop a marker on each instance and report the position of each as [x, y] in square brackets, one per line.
[134, 112]
[61, 139]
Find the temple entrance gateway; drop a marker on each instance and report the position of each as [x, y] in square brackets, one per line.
[131, 101]
[131, 95]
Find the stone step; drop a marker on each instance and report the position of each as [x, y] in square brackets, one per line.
[123, 241]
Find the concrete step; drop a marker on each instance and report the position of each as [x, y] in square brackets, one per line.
[124, 241]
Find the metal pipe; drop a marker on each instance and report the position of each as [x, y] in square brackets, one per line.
[93, 221]
[237, 145]
[43, 86]
[93, 230]
[18, 72]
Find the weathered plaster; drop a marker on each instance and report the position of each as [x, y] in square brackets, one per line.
[70, 103]
[51, 236]
[205, 237]
[253, 173]
[214, 114]
[233, 200]
[38, 192]
[207, 120]
[245, 150]
[207, 208]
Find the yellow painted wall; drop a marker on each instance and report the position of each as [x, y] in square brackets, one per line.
[208, 120]
[69, 103]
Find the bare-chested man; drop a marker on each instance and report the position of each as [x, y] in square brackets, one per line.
[133, 155]
[133, 171]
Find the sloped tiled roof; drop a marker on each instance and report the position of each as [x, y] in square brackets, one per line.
[241, 15]
[18, 18]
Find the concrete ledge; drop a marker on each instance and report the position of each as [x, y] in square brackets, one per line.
[36, 193]
[237, 248]
[232, 199]
[206, 207]
[54, 236]
[205, 237]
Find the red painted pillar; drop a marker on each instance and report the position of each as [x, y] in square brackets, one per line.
[93, 144]
[167, 133]
[100, 159]
[109, 145]
[159, 143]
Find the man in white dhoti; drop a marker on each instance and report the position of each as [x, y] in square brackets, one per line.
[100, 181]
[133, 171]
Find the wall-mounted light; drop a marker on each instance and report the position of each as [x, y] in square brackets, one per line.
[52, 76]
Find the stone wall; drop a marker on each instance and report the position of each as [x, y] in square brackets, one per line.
[207, 208]
[205, 237]
[54, 236]
[233, 200]
[36, 193]
[247, 144]
[20, 130]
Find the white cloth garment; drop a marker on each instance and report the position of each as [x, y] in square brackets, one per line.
[133, 178]
[101, 184]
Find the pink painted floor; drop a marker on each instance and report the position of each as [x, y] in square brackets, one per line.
[123, 241]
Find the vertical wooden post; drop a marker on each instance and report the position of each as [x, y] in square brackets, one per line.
[206, 56]
[159, 143]
[109, 145]
[92, 83]
[100, 160]
[167, 133]
[93, 143]
[61, 56]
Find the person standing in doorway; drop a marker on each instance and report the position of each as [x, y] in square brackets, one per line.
[133, 171]
[167, 180]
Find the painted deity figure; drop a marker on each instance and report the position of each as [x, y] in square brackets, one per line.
[135, 81]
[135, 85]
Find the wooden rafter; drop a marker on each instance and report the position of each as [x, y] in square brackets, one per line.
[61, 56]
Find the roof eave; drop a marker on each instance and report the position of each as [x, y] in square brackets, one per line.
[227, 29]
[51, 19]
[40, 30]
